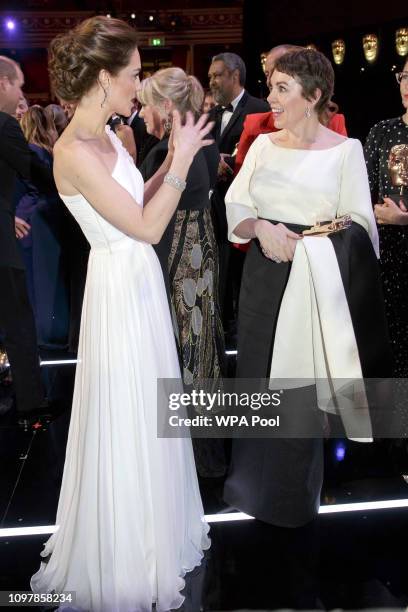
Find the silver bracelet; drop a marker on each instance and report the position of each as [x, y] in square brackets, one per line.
[175, 181]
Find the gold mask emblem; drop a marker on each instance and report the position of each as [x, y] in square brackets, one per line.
[339, 51]
[370, 47]
[263, 60]
[401, 41]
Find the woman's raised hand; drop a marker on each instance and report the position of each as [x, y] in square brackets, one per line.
[277, 241]
[187, 139]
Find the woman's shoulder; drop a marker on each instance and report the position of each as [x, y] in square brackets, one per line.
[261, 141]
[384, 125]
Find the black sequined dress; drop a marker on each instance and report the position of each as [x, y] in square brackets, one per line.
[393, 238]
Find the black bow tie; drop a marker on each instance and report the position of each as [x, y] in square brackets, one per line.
[222, 109]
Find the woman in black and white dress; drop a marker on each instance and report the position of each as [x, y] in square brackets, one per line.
[310, 307]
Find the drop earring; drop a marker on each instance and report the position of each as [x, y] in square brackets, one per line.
[105, 93]
[168, 124]
[308, 112]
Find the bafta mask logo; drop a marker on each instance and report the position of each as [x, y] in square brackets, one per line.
[370, 47]
[401, 41]
[398, 166]
[339, 51]
[263, 61]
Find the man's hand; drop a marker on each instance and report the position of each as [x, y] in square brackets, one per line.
[224, 170]
[22, 227]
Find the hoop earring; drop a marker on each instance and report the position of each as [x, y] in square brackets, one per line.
[308, 112]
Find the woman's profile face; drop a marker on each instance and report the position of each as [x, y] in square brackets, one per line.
[153, 121]
[404, 86]
[124, 85]
[286, 100]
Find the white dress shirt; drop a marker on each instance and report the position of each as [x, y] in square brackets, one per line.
[226, 116]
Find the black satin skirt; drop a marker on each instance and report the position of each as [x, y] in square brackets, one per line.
[279, 480]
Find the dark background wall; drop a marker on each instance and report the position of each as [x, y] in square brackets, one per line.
[365, 96]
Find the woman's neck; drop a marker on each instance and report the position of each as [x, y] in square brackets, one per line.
[301, 136]
[90, 119]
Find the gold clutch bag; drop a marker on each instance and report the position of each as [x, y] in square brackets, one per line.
[332, 227]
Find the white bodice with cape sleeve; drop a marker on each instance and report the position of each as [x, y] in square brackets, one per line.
[314, 339]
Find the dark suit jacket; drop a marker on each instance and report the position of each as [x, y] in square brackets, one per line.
[229, 139]
[227, 142]
[144, 141]
[16, 158]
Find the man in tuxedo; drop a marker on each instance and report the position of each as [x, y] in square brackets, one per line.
[16, 317]
[142, 140]
[226, 76]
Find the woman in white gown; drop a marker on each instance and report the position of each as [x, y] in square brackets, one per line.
[130, 518]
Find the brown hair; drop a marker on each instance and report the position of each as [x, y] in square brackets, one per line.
[56, 114]
[184, 90]
[313, 71]
[77, 57]
[8, 68]
[38, 128]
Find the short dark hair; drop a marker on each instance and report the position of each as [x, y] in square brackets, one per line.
[77, 56]
[313, 71]
[233, 62]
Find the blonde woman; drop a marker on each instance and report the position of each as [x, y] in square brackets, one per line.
[188, 250]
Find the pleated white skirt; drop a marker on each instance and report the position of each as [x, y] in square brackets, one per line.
[130, 515]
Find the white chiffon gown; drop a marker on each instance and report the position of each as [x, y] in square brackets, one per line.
[130, 517]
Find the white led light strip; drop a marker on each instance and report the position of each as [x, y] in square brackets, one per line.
[232, 516]
[74, 361]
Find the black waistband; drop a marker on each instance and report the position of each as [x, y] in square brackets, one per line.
[293, 227]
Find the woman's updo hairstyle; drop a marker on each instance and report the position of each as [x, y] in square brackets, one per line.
[76, 57]
[184, 90]
[313, 71]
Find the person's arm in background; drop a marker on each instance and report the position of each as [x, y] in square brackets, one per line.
[386, 212]
[338, 124]
[126, 136]
[247, 138]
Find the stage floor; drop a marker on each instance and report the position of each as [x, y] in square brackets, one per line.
[354, 556]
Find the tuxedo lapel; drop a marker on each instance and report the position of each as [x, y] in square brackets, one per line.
[235, 116]
[216, 116]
